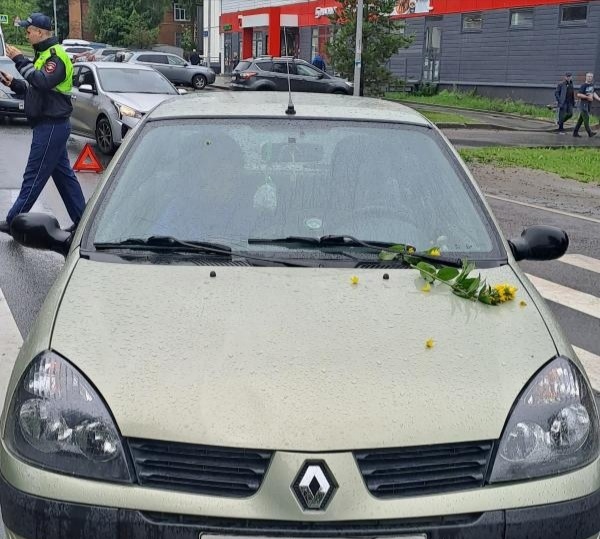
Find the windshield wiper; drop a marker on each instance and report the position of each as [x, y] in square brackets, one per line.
[161, 243]
[169, 243]
[351, 241]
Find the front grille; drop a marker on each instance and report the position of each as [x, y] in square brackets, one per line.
[216, 471]
[310, 530]
[415, 471]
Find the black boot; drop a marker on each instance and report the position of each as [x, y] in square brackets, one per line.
[4, 227]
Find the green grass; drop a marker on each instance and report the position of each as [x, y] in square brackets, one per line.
[446, 117]
[477, 102]
[581, 164]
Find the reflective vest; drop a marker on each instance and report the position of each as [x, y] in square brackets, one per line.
[65, 86]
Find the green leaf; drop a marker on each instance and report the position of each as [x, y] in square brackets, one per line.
[447, 274]
[399, 248]
[384, 255]
[428, 272]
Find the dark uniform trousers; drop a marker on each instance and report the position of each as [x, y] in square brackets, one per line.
[48, 157]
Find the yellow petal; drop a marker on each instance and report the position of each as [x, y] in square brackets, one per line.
[434, 252]
[426, 287]
[429, 343]
[354, 279]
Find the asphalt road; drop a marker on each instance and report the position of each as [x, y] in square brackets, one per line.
[26, 275]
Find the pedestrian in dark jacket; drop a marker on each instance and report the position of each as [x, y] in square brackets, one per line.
[46, 90]
[586, 95]
[194, 58]
[318, 62]
[565, 100]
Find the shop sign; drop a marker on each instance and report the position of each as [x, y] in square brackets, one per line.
[227, 27]
[408, 7]
[324, 11]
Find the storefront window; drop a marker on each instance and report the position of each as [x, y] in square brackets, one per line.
[472, 22]
[257, 43]
[573, 14]
[290, 41]
[521, 18]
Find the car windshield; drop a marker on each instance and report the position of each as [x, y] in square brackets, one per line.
[134, 81]
[228, 181]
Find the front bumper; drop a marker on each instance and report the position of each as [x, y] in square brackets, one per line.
[12, 107]
[28, 517]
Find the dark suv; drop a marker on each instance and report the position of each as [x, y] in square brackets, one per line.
[271, 73]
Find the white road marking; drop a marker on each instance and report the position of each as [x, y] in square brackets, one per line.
[581, 261]
[591, 363]
[579, 301]
[551, 210]
[10, 344]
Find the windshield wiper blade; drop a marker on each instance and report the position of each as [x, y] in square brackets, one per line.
[351, 241]
[169, 243]
[160, 243]
[323, 241]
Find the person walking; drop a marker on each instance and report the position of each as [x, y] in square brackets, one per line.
[318, 61]
[194, 58]
[565, 101]
[46, 90]
[586, 96]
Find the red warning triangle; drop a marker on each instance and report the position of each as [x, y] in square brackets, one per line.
[87, 161]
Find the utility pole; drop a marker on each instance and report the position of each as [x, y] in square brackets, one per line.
[209, 31]
[55, 20]
[358, 53]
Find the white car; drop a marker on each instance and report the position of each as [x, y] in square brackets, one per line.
[109, 99]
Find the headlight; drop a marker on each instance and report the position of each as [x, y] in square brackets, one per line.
[124, 110]
[553, 427]
[59, 422]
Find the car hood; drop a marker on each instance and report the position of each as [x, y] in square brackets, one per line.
[138, 101]
[297, 358]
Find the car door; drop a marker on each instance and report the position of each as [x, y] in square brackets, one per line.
[310, 79]
[179, 69]
[280, 77]
[85, 105]
[158, 62]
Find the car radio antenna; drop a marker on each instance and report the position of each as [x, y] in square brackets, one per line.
[290, 108]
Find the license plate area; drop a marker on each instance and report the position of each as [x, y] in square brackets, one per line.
[225, 536]
[21, 105]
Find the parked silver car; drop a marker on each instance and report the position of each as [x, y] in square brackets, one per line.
[175, 68]
[110, 98]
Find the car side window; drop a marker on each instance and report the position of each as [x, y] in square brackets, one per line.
[153, 58]
[76, 71]
[307, 71]
[281, 67]
[86, 77]
[175, 61]
[264, 66]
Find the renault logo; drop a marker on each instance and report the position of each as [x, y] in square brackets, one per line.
[314, 486]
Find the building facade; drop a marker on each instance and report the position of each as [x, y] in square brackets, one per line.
[502, 48]
[508, 48]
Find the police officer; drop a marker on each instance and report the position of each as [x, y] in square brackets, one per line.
[46, 89]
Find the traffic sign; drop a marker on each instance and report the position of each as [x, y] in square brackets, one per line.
[3, 19]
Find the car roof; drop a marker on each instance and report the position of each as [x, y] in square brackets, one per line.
[274, 104]
[115, 65]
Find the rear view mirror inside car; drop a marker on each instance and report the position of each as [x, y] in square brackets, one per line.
[291, 151]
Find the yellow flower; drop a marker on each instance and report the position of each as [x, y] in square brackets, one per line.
[523, 303]
[426, 287]
[354, 279]
[411, 249]
[505, 291]
[434, 251]
[429, 343]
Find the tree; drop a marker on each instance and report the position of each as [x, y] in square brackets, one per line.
[16, 8]
[127, 22]
[382, 38]
[62, 14]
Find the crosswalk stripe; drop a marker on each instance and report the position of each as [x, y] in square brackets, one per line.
[579, 301]
[11, 342]
[582, 261]
[591, 363]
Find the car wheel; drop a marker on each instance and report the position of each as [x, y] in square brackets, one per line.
[340, 92]
[104, 136]
[199, 82]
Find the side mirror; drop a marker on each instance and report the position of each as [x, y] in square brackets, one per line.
[40, 231]
[320, 75]
[540, 243]
[182, 91]
[87, 89]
